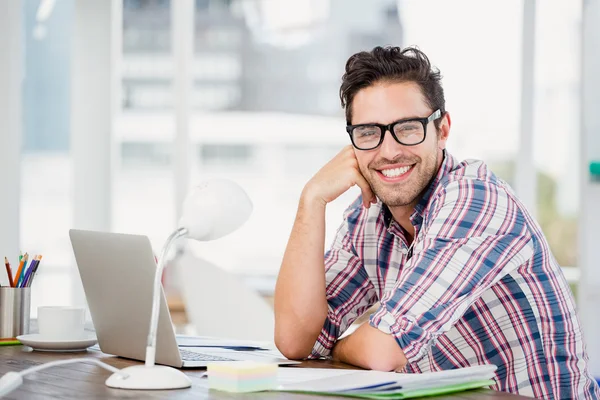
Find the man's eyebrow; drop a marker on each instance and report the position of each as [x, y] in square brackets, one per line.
[397, 120]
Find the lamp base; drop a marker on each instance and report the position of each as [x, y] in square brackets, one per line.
[149, 378]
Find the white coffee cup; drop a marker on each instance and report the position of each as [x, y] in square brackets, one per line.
[61, 323]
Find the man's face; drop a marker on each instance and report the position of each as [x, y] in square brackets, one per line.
[398, 174]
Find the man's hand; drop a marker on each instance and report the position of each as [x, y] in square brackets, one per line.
[370, 348]
[336, 177]
[300, 298]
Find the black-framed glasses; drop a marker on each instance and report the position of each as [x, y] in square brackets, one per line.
[408, 132]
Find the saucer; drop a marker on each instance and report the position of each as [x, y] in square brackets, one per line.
[40, 343]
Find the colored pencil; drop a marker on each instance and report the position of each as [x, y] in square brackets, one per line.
[19, 270]
[23, 269]
[24, 272]
[9, 272]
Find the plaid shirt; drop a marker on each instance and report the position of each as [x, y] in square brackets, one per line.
[478, 285]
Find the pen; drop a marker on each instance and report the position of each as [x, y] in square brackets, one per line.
[9, 272]
[28, 272]
[35, 268]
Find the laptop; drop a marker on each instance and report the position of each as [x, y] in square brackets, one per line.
[117, 272]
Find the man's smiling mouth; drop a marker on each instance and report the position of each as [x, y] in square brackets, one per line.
[396, 172]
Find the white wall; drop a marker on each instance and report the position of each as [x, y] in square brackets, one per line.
[11, 80]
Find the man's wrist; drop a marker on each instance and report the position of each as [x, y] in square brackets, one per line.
[310, 200]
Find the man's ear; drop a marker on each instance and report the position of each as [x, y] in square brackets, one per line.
[444, 130]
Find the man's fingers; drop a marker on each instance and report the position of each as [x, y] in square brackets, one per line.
[367, 193]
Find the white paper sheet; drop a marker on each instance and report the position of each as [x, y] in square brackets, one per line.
[334, 380]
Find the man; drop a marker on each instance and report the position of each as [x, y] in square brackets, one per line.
[459, 271]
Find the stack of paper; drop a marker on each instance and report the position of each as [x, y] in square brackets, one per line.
[383, 385]
[242, 376]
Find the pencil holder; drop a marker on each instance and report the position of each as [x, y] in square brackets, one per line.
[15, 305]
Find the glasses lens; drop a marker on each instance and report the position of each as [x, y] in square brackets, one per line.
[366, 136]
[409, 132]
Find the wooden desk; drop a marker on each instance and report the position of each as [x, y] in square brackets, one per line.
[86, 381]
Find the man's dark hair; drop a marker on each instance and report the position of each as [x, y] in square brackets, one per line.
[392, 65]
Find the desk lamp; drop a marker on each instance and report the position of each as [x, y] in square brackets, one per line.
[211, 210]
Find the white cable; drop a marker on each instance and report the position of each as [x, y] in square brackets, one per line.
[71, 361]
[12, 380]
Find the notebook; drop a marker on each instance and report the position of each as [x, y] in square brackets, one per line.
[383, 385]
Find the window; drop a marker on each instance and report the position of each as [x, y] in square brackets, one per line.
[269, 115]
[480, 60]
[218, 155]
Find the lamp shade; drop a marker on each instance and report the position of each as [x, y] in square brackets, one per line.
[215, 208]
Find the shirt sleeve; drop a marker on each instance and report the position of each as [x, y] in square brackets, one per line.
[349, 290]
[474, 235]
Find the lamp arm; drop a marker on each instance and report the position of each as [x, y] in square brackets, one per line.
[151, 346]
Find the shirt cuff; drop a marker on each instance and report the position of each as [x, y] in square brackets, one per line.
[320, 350]
[414, 341]
[327, 338]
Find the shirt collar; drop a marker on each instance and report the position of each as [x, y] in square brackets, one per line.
[448, 164]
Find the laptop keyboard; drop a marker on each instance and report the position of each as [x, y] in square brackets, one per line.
[187, 355]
